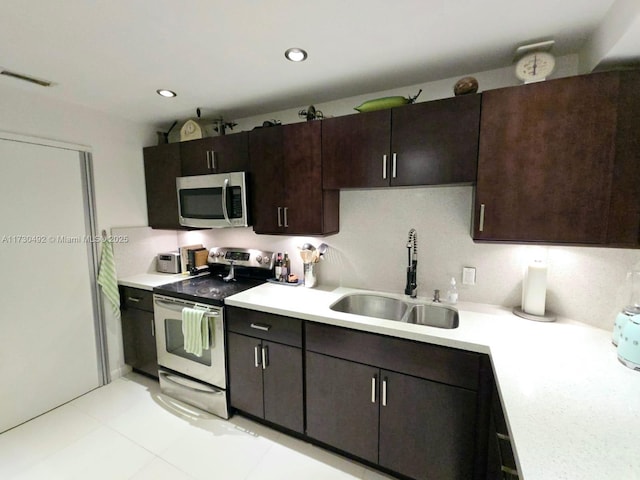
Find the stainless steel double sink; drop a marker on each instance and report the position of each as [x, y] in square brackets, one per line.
[389, 308]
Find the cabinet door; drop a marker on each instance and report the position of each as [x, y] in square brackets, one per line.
[230, 153]
[139, 341]
[161, 167]
[355, 150]
[283, 402]
[427, 429]
[545, 161]
[436, 143]
[266, 179]
[195, 156]
[342, 405]
[303, 193]
[245, 374]
[624, 209]
[225, 153]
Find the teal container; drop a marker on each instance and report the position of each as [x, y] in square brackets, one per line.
[629, 343]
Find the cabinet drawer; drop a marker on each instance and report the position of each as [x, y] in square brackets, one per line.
[136, 298]
[266, 326]
[433, 362]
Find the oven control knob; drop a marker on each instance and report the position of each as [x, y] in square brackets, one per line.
[267, 260]
[258, 258]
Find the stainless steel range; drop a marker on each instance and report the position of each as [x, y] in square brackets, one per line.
[201, 380]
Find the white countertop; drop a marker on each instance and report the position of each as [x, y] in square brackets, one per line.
[572, 409]
[146, 281]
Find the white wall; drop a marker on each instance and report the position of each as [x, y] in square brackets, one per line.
[117, 162]
[491, 79]
[615, 40]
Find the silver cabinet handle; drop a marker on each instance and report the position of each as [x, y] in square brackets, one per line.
[261, 326]
[279, 216]
[384, 392]
[153, 327]
[256, 356]
[393, 165]
[134, 299]
[265, 357]
[286, 220]
[502, 436]
[208, 159]
[373, 389]
[384, 167]
[213, 159]
[481, 225]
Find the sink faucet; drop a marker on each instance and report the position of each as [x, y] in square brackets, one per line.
[412, 250]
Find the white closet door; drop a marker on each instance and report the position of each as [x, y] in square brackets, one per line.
[47, 331]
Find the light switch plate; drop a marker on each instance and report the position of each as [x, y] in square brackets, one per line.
[468, 275]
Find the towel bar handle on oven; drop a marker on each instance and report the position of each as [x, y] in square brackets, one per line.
[177, 307]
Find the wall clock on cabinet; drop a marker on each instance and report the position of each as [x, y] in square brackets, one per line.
[535, 66]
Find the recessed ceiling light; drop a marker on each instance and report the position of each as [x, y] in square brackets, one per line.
[295, 54]
[166, 93]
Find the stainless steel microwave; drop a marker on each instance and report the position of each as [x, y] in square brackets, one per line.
[213, 201]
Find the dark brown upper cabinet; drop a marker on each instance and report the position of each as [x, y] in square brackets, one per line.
[286, 181]
[429, 143]
[226, 153]
[161, 167]
[559, 162]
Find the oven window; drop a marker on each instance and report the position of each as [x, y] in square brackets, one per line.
[201, 203]
[175, 342]
[206, 203]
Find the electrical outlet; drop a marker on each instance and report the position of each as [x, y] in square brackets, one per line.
[468, 275]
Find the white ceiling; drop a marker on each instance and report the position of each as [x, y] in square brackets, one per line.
[227, 57]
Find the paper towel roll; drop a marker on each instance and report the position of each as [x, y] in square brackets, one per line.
[534, 289]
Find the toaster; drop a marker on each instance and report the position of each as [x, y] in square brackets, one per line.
[168, 262]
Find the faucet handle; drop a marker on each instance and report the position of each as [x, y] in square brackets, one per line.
[436, 295]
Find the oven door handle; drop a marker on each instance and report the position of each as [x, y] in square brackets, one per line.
[176, 307]
[189, 384]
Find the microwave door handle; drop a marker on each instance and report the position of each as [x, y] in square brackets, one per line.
[224, 200]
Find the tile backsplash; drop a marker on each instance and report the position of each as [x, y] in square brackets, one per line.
[137, 250]
[587, 284]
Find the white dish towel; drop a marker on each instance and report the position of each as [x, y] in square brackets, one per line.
[195, 329]
[107, 277]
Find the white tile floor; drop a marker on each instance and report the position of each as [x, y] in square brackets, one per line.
[129, 430]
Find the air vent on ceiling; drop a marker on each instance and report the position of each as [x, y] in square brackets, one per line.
[26, 78]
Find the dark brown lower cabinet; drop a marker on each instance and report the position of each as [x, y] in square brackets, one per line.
[265, 380]
[340, 407]
[501, 461]
[416, 409]
[138, 330]
[426, 428]
[416, 427]
[413, 409]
